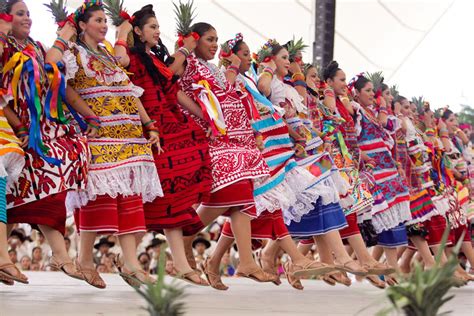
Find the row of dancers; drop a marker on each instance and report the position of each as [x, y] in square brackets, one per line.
[130, 138]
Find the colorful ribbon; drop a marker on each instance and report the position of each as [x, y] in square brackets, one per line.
[6, 17]
[69, 19]
[210, 106]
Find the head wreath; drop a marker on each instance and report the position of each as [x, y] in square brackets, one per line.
[86, 5]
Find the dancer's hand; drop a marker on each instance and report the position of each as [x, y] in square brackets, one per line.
[5, 27]
[189, 43]
[154, 138]
[271, 64]
[67, 32]
[123, 29]
[233, 59]
[24, 141]
[159, 148]
[91, 132]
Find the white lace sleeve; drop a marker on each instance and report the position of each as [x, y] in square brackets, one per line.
[70, 63]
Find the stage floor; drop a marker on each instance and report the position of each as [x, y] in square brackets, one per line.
[52, 293]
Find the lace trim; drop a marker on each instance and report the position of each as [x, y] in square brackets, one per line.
[441, 204]
[129, 180]
[391, 217]
[11, 166]
[70, 62]
[326, 190]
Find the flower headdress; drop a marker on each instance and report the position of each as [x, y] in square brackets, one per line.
[353, 81]
[294, 46]
[226, 48]
[265, 53]
[86, 5]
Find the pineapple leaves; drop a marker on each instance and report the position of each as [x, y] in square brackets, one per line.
[185, 14]
[114, 8]
[58, 9]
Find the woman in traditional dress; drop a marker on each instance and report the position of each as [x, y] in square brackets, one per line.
[184, 163]
[11, 165]
[56, 155]
[285, 186]
[122, 173]
[391, 197]
[235, 158]
[326, 217]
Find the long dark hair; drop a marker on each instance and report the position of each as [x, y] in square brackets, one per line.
[141, 18]
[85, 17]
[10, 4]
[201, 27]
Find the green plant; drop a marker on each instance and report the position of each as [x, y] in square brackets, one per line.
[394, 91]
[163, 299]
[58, 9]
[423, 293]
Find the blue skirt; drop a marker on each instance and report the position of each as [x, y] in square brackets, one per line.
[321, 220]
[3, 200]
[394, 237]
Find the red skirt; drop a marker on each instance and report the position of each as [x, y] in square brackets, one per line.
[309, 241]
[454, 234]
[352, 228]
[50, 211]
[266, 226]
[238, 194]
[106, 215]
[185, 176]
[435, 227]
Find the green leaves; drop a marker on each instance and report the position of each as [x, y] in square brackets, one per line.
[394, 91]
[58, 9]
[423, 293]
[163, 299]
[294, 46]
[377, 79]
[185, 14]
[112, 9]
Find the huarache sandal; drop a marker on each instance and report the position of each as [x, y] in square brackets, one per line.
[352, 267]
[312, 268]
[271, 271]
[6, 281]
[214, 279]
[379, 268]
[92, 277]
[294, 282]
[18, 277]
[375, 281]
[187, 277]
[257, 274]
[60, 266]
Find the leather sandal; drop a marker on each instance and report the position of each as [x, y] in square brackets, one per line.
[391, 280]
[59, 266]
[91, 276]
[327, 279]
[18, 277]
[214, 279]
[254, 275]
[375, 281]
[340, 277]
[6, 281]
[379, 268]
[130, 277]
[294, 282]
[187, 277]
[277, 280]
[356, 269]
[312, 268]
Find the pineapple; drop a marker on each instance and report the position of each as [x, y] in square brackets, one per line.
[394, 91]
[265, 52]
[116, 12]
[3, 6]
[113, 8]
[163, 299]
[377, 80]
[185, 14]
[419, 103]
[294, 46]
[58, 9]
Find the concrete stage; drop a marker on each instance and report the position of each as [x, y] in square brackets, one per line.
[52, 293]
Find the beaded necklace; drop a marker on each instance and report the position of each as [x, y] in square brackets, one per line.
[102, 55]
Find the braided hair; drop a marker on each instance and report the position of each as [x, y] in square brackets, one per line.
[140, 18]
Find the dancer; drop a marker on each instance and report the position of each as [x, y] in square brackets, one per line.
[184, 162]
[284, 187]
[122, 173]
[56, 155]
[235, 159]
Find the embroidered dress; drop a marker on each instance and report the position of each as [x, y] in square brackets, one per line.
[184, 166]
[11, 157]
[326, 214]
[285, 189]
[62, 165]
[235, 159]
[121, 157]
[376, 143]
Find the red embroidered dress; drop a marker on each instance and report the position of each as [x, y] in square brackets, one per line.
[234, 157]
[184, 167]
[41, 180]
